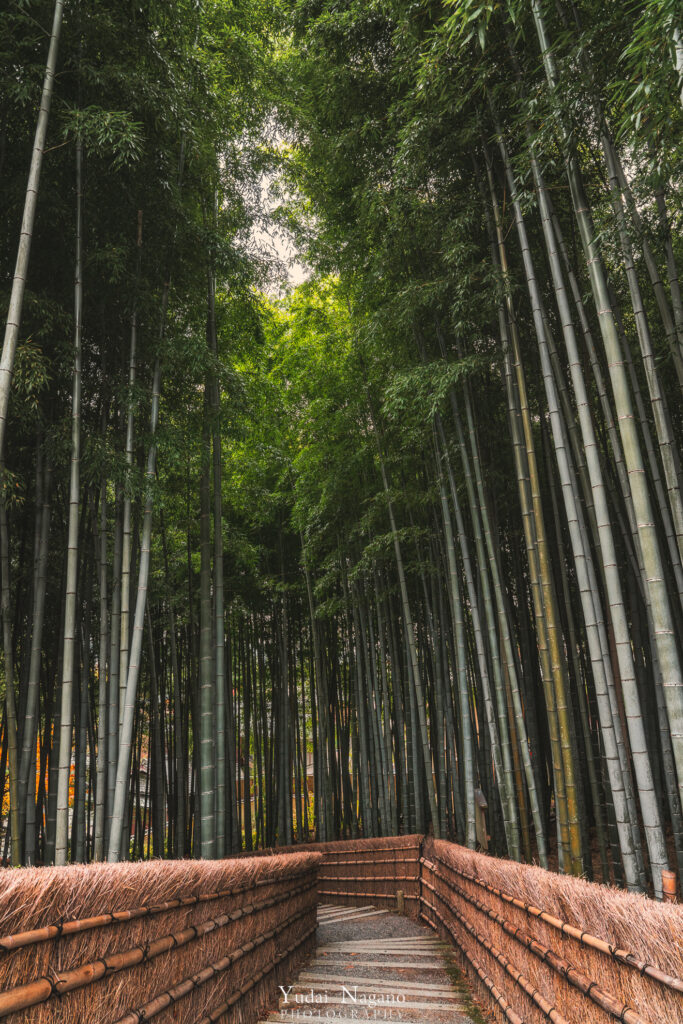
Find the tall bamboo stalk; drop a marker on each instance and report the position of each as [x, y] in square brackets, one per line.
[70, 624]
[16, 302]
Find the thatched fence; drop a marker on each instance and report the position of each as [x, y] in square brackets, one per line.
[361, 871]
[184, 941]
[211, 941]
[545, 947]
[537, 946]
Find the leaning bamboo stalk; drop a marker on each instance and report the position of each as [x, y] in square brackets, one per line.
[503, 619]
[582, 937]
[115, 843]
[25, 236]
[602, 674]
[35, 992]
[649, 807]
[658, 403]
[57, 931]
[460, 669]
[483, 623]
[114, 851]
[418, 686]
[668, 314]
[126, 542]
[577, 979]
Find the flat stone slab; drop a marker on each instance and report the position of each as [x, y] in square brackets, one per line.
[373, 966]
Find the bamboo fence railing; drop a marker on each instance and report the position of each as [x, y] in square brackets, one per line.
[546, 947]
[357, 871]
[538, 946]
[208, 942]
[187, 941]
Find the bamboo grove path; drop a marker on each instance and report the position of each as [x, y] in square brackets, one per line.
[334, 933]
[376, 966]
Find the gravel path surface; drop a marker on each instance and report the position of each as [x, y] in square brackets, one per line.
[378, 968]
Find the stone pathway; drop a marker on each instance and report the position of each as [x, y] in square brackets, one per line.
[374, 966]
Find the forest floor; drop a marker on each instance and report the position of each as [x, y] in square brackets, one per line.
[377, 967]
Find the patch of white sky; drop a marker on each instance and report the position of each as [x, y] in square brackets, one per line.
[275, 242]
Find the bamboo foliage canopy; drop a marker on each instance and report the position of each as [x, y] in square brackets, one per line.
[388, 541]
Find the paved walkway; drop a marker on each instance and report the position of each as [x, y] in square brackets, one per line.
[371, 965]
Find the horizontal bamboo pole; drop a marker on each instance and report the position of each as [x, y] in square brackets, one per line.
[65, 928]
[379, 860]
[188, 985]
[224, 1008]
[365, 895]
[368, 851]
[368, 878]
[577, 979]
[549, 1011]
[584, 938]
[35, 992]
[508, 1012]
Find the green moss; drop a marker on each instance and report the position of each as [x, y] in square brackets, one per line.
[462, 986]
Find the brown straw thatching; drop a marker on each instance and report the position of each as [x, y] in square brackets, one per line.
[357, 871]
[186, 918]
[556, 947]
[196, 941]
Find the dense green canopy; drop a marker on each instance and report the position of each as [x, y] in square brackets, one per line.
[329, 559]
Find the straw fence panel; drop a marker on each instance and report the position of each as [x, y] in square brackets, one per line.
[357, 872]
[206, 942]
[181, 941]
[541, 946]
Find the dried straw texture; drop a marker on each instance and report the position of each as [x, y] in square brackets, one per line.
[507, 941]
[361, 871]
[271, 892]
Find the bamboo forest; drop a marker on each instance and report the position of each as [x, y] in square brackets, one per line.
[340, 414]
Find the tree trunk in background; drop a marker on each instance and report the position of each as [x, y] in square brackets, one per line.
[70, 605]
[27, 773]
[455, 596]
[654, 581]
[410, 642]
[226, 807]
[207, 689]
[126, 551]
[102, 688]
[10, 697]
[114, 850]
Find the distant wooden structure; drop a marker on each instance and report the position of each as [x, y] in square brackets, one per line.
[480, 808]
